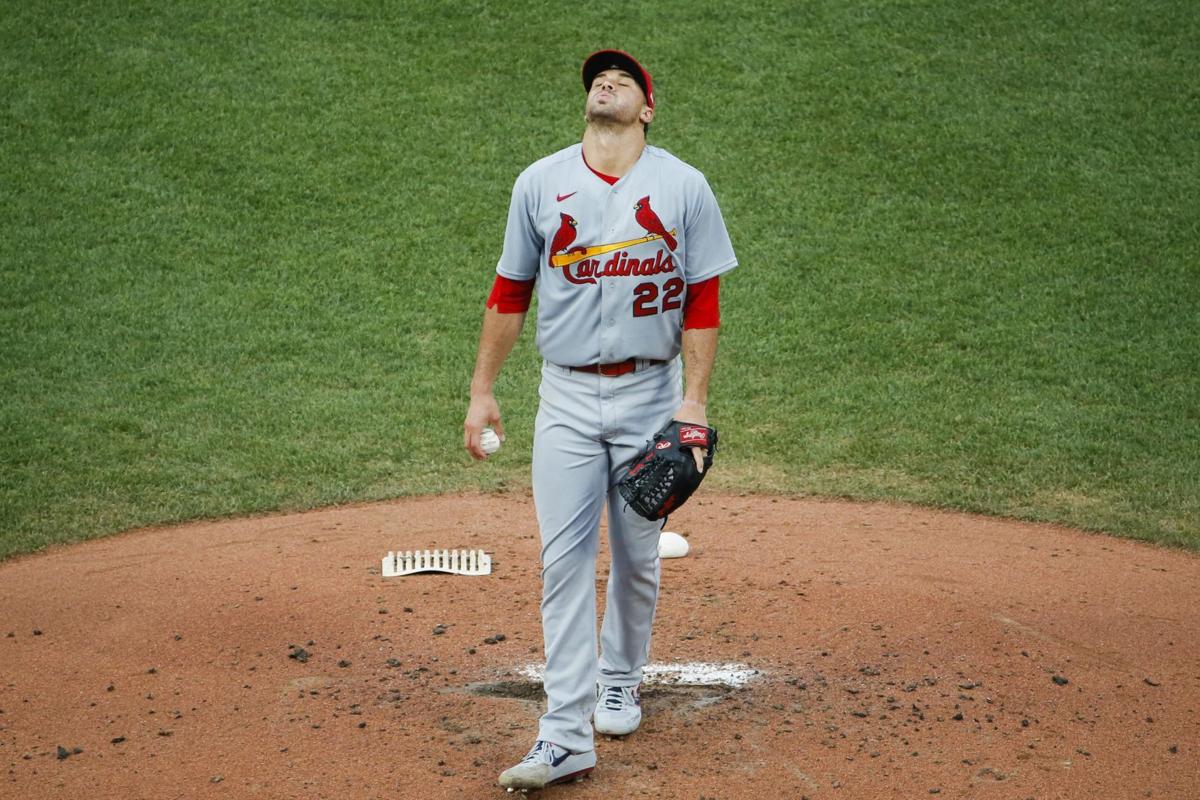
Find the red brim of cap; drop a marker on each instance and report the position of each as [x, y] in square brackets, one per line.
[601, 60]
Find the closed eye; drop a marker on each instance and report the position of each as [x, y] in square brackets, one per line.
[621, 78]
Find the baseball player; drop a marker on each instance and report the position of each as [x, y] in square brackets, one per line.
[624, 243]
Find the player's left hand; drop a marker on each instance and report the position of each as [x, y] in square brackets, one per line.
[696, 413]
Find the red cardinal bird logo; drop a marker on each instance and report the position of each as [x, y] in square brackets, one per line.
[566, 234]
[649, 220]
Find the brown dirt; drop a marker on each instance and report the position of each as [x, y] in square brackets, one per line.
[905, 653]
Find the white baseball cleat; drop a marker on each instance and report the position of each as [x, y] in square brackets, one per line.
[618, 709]
[546, 764]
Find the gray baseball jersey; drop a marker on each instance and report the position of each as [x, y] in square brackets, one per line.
[612, 262]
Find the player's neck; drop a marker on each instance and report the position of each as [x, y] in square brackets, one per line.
[613, 150]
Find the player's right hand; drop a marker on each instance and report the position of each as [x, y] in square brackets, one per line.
[483, 412]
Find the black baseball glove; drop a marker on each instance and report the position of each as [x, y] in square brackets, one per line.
[663, 477]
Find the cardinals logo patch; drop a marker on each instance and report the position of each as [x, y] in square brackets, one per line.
[579, 265]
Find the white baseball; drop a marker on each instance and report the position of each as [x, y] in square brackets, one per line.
[489, 442]
[672, 545]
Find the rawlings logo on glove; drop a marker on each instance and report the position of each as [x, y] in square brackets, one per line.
[665, 475]
[693, 435]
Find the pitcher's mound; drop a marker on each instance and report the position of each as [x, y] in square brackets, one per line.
[894, 652]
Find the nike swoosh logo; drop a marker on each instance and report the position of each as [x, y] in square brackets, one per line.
[556, 761]
[562, 197]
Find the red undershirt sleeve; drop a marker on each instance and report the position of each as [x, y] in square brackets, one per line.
[509, 296]
[702, 308]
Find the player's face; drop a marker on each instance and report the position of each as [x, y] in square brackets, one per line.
[616, 97]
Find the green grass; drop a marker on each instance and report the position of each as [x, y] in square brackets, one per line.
[244, 249]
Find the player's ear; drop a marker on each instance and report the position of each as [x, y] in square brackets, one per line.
[647, 115]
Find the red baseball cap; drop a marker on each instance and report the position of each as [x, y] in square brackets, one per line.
[601, 60]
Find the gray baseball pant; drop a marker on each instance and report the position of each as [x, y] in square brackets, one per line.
[589, 428]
